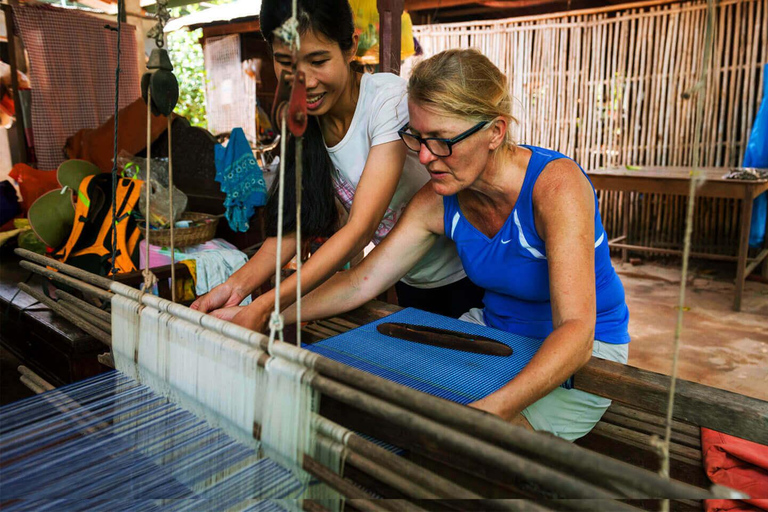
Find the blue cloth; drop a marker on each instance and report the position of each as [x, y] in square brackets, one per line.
[241, 179]
[462, 377]
[512, 267]
[756, 155]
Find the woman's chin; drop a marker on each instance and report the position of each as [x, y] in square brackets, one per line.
[443, 189]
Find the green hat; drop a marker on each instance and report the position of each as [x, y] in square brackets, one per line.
[52, 217]
[72, 172]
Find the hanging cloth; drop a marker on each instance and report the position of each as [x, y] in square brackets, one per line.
[241, 179]
[72, 66]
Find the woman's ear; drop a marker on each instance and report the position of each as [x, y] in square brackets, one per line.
[353, 51]
[498, 132]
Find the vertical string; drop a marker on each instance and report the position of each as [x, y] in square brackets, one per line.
[120, 13]
[149, 277]
[299, 172]
[288, 32]
[276, 321]
[170, 200]
[694, 182]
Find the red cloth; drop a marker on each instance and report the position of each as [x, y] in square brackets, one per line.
[738, 464]
[33, 183]
[72, 67]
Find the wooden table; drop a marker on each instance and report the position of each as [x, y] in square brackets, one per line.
[676, 181]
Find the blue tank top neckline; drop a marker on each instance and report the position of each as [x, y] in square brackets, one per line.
[512, 266]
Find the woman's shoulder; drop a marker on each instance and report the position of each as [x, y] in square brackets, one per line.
[383, 86]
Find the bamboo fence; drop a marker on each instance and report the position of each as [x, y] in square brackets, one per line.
[605, 87]
[230, 95]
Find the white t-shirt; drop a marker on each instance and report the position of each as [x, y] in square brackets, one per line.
[382, 109]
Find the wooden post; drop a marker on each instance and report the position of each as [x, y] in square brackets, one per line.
[625, 199]
[390, 12]
[19, 153]
[765, 235]
[741, 262]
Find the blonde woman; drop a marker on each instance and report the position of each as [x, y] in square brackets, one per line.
[527, 229]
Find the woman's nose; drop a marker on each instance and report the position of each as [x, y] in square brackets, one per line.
[310, 80]
[425, 155]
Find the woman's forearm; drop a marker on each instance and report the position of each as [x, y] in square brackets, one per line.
[261, 266]
[342, 292]
[331, 257]
[567, 349]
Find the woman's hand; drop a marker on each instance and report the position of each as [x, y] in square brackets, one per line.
[255, 316]
[225, 295]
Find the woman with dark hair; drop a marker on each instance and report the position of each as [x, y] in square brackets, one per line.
[352, 153]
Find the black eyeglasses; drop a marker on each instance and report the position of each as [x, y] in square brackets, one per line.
[437, 146]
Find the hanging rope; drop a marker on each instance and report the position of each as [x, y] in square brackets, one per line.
[149, 277]
[170, 208]
[289, 34]
[276, 319]
[120, 14]
[695, 182]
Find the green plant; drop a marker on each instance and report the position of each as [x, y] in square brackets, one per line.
[188, 65]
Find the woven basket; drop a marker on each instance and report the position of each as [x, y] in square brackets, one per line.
[184, 237]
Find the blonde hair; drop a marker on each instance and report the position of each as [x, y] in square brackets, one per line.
[463, 83]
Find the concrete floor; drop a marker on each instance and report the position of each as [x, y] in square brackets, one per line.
[719, 347]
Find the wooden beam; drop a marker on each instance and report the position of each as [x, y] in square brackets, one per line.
[717, 409]
[229, 28]
[419, 5]
[390, 13]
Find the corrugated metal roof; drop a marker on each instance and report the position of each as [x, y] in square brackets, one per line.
[220, 13]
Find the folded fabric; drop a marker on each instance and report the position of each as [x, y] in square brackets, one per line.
[215, 261]
[738, 464]
[241, 179]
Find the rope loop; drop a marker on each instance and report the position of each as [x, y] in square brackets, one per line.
[150, 279]
[288, 32]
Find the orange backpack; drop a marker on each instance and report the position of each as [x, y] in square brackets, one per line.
[89, 246]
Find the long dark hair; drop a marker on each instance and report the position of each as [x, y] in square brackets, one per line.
[333, 19]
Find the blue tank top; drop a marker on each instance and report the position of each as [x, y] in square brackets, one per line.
[512, 266]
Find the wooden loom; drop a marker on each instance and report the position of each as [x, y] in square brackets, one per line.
[454, 452]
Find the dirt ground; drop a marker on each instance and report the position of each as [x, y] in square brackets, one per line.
[719, 347]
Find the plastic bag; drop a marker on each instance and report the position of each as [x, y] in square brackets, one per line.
[756, 155]
[159, 199]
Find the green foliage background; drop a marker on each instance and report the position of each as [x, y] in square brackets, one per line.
[188, 65]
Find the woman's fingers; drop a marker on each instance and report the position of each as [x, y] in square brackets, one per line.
[227, 314]
[220, 296]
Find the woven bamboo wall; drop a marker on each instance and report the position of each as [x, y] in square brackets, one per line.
[605, 87]
[230, 94]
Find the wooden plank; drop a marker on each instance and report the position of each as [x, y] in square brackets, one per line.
[660, 250]
[717, 409]
[640, 439]
[658, 430]
[654, 419]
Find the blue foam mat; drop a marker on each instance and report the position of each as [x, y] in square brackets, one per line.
[462, 377]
